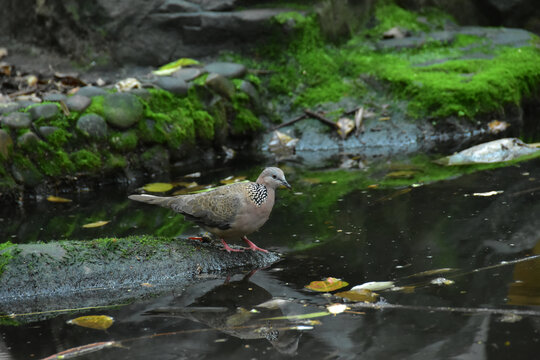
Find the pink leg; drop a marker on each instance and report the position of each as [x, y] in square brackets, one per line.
[195, 238]
[228, 248]
[252, 246]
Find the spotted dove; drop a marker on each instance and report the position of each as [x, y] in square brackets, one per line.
[229, 211]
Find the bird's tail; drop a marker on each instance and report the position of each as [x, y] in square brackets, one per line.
[151, 199]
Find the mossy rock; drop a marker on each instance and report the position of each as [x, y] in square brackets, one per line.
[86, 161]
[124, 141]
[6, 145]
[122, 110]
[25, 172]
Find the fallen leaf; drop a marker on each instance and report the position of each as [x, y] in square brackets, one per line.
[374, 286]
[98, 322]
[345, 126]
[158, 187]
[273, 304]
[329, 284]
[128, 84]
[300, 316]
[497, 126]
[96, 224]
[171, 67]
[385, 118]
[358, 120]
[394, 33]
[282, 144]
[488, 193]
[57, 199]
[363, 295]
[401, 174]
[432, 272]
[146, 284]
[193, 175]
[336, 308]
[82, 350]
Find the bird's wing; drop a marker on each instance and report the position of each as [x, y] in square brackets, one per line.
[215, 209]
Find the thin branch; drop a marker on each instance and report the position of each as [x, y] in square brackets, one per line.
[321, 118]
[290, 122]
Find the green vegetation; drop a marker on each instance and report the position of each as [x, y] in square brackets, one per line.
[6, 254]
[431, 74]
[86, 160]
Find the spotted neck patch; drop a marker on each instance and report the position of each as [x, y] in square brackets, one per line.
[257, 193]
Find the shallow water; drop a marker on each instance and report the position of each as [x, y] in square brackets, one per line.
[366, 235]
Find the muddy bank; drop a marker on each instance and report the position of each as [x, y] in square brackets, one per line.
[75, 274]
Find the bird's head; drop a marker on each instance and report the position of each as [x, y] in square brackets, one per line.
[273, 177]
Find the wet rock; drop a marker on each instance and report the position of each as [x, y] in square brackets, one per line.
[122, 110]
[227, 69]
[142, 93]
[45, 111]
[172, 6]
[92, 125]
[9, 107]
[78, 102]
[187, 74]
[249, 89]
[91, 91]
[27, 139]
[54, 97]
[47, 131]
[173, 84]
[221, 85]
[26, 173]
[156, 160]
[17, 120]
[5, 145]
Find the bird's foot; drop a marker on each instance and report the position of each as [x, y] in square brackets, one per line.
[252, 246]
[229, 249]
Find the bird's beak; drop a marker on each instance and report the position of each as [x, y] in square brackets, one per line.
[286, 184]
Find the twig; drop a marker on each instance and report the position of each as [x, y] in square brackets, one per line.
[298, 118]
[321, 118]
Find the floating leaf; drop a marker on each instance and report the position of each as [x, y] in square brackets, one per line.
[273, 304]
[432, 272]
[57, 199]
[158, 187]
[441, 281]
[329, 284]
[232, 179]
[336, 308]
[490, 152]
[300, 317]
[488, 193]
[374, 286]
[82, 350]
[401, 174]
[96, 224]
[193, 175]
[171, 67]
[345, 126]
[98, 322]
[363, 295]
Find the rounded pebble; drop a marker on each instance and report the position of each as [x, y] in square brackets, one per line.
[91, 91]
[27, 139]
[227, 69]
[173, 84]
[122, 110]
[17, 120]
[54, 97]
[78, 102]
[187, 74]
[221, 85]
[45, 111]
[92, 125]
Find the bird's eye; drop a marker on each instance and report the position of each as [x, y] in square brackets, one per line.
[274, 176]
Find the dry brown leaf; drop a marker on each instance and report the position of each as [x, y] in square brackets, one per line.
[345, 126]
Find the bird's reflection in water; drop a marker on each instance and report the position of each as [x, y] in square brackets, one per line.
[241, 309]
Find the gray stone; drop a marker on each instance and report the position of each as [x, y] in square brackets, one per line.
[227, 69]
[27, 139]
[172, 6]
[17, 120]
[173, 84]
[122, 110]
[187, 74]
[54, 97]
[218, 5]
[26, 173]
[91, 91]
[93, 126]
[250, 90]
[142, 93]
[156, 160]
[5, 145]
[78, 102]
[47, 131]
[45, 111]
[221, 85]
[6, 108]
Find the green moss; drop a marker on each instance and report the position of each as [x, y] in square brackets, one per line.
[124, 141]
[96, 107]
[244, 121]
[6, 254]
[115, 161]
[59, 138]
[85, 160]
[204, 125]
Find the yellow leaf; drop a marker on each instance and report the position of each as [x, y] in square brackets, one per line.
[329, 284]
[158, 187]
[171, 67]
[96, 224]
[98, 322]
[57, 199]
[364, 295]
